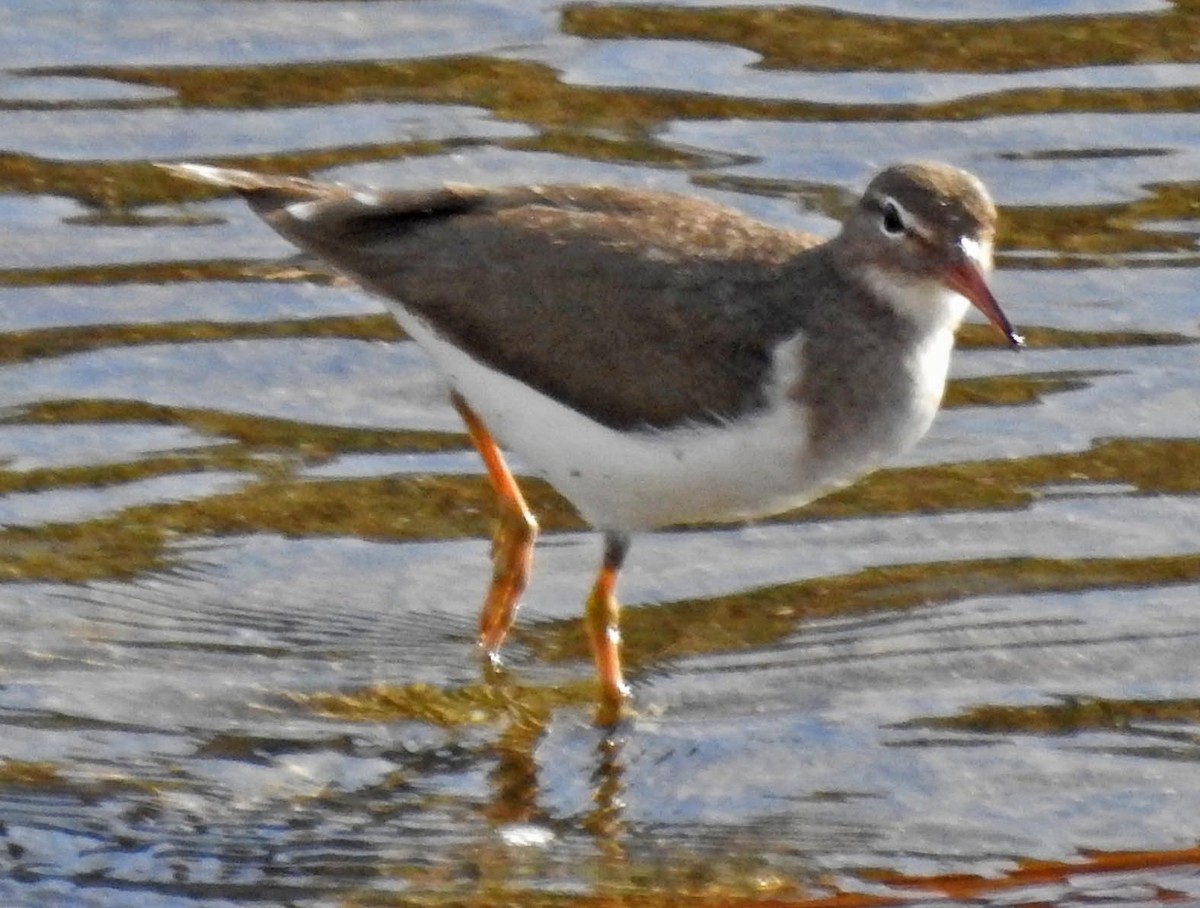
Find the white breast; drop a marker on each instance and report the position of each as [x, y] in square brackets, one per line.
[937, 311]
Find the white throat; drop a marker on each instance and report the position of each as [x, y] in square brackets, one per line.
[929, 304]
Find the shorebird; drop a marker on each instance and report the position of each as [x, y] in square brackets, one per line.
[659, 359]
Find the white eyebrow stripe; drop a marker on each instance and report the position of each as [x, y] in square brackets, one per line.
[972, 250]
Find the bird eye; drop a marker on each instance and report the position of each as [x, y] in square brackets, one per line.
[893, 223]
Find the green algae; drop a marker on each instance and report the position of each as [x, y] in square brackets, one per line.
[1066, 716]
[45, 343]
[764, 616]
[826, 40]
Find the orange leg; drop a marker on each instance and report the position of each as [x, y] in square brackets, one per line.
[512, 546]
[603, 619]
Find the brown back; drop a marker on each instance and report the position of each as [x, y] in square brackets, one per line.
[580, 292]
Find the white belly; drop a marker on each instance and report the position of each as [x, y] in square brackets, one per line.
[638, 480]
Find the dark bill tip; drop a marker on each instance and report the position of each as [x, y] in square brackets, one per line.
[966, 277]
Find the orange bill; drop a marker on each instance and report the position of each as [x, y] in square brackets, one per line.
[964, 276]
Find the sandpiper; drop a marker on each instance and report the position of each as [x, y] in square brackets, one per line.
[659, 359]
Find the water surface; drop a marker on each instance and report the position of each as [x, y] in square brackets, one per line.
[244, 538]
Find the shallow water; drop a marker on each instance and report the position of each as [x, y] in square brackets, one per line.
[244, 539]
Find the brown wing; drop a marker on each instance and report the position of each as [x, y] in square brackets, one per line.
[580, 292]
